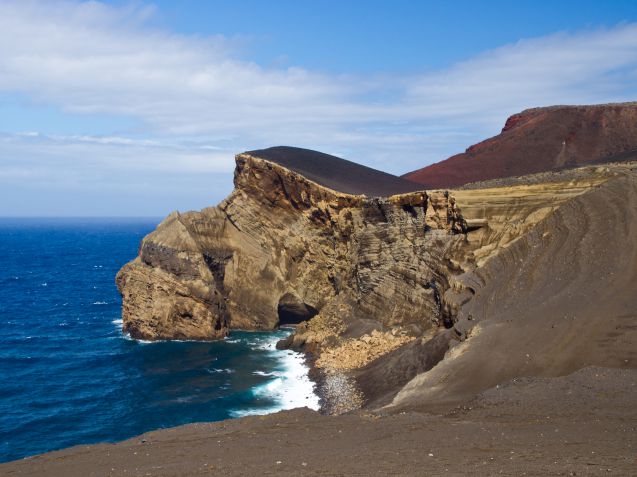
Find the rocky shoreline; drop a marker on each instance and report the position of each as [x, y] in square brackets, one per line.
[380, 290]
[486, 329]
[337, 392]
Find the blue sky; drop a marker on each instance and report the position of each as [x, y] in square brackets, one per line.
[372, 36]
[134, 108]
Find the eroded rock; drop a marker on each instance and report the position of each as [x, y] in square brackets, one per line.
[380, 289]
[283, 249]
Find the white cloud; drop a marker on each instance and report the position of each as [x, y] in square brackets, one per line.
[557, 69]
[84, 175]
[110, 154]
[90, 58]
[199, 104]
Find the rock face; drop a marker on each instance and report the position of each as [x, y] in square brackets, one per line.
[498, 220]
[395, 294]
[283, 249]
[541, 139]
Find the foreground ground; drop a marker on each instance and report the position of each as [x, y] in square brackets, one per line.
[582, 424]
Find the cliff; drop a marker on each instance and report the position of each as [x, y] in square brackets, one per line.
[287, 246]
[539, 140]
[506, 309]
[499, 221]
[388, 292]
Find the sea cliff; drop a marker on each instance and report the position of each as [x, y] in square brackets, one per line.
[377, 286]
[282, 249]
[505, 309]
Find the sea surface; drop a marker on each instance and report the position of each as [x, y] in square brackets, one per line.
[69, 376]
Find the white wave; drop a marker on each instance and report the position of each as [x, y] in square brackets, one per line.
[100, 303]
[184, 399]
[254, 412]
[290, 388]
[267, 344]
[118, 322]
[128, 337]
[263, 346]
[268, 374]
[220, 370]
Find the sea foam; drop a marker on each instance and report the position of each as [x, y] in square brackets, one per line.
[289, 388]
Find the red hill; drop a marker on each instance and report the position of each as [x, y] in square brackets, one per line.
[541, 139]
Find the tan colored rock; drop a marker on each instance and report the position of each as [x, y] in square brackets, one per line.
[284, 248]
[356, 353]
[371, 281]
[560, 297]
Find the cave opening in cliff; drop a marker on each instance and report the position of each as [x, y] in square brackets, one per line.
[292, 310]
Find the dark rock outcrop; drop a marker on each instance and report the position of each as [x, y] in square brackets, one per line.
[335, 173]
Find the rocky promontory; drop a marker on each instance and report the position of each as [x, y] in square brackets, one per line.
[303, 235]
[382, 280]
[506, 309]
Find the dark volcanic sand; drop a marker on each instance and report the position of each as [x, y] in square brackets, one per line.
[582, 424]
[336, 173]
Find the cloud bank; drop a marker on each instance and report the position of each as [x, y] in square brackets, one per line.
[195, 102]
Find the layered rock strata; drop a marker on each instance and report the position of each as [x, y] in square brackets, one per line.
[283, 249]
[385, 291]
[496, 221]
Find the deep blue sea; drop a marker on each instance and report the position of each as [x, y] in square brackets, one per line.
[69, 376]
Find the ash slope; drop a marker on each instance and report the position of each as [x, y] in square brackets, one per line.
[335, 173]
[539, 140]
[561, 297]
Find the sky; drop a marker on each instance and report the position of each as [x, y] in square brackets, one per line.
[133, 108]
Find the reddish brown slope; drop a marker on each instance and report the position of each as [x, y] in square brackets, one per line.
[541, 139]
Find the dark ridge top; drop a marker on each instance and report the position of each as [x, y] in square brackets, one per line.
[338, 174]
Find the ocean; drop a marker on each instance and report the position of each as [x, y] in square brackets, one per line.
[69, 376]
